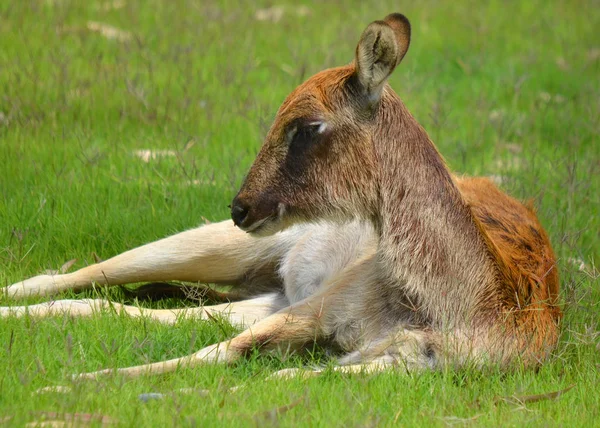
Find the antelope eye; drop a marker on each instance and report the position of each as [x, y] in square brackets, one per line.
[302, 133]
[319, 127]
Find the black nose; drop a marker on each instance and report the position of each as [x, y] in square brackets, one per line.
[239, 212]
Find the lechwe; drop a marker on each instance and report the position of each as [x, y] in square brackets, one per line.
[351, 231]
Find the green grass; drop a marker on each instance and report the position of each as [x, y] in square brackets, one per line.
[510, 89]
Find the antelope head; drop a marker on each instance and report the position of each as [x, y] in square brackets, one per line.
[318, 158]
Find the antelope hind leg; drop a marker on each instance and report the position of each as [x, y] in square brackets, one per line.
[217, 253]
[408, 350]
[216, 353]
[243, 313]
[291, 327]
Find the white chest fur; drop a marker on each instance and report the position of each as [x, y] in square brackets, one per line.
[323, 250]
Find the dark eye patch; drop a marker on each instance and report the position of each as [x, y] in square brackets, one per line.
[303, 133]
[304, 138]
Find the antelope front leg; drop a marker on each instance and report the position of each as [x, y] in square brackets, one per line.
[218, 253]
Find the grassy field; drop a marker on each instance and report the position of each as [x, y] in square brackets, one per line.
[505, 89]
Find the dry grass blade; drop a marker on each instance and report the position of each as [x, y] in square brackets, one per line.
[108, 31]
[204, 293]
[201, 183]
[150, 396]
[524, 399]
[112, 5]
[56, 419]
[205, 392]
[272, 14]
[68, 265]
[146, 155]
[52, 424]
[275, 13]
[96, 257]
[455, 420]
[54, 390]
[273, 414]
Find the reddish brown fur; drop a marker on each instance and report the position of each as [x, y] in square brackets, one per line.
[529, 283]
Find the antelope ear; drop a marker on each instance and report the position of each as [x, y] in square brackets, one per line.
[381, 48]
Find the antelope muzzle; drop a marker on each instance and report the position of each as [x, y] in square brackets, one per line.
[259, 214]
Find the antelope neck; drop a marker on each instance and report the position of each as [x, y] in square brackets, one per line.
[429, 243]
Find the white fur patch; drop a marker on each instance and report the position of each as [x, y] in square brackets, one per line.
[322, 126]
[291, 133]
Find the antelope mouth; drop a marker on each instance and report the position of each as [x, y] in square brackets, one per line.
[268, 225]
[256, 226]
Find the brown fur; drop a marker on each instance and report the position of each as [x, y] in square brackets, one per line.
[475, 259]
